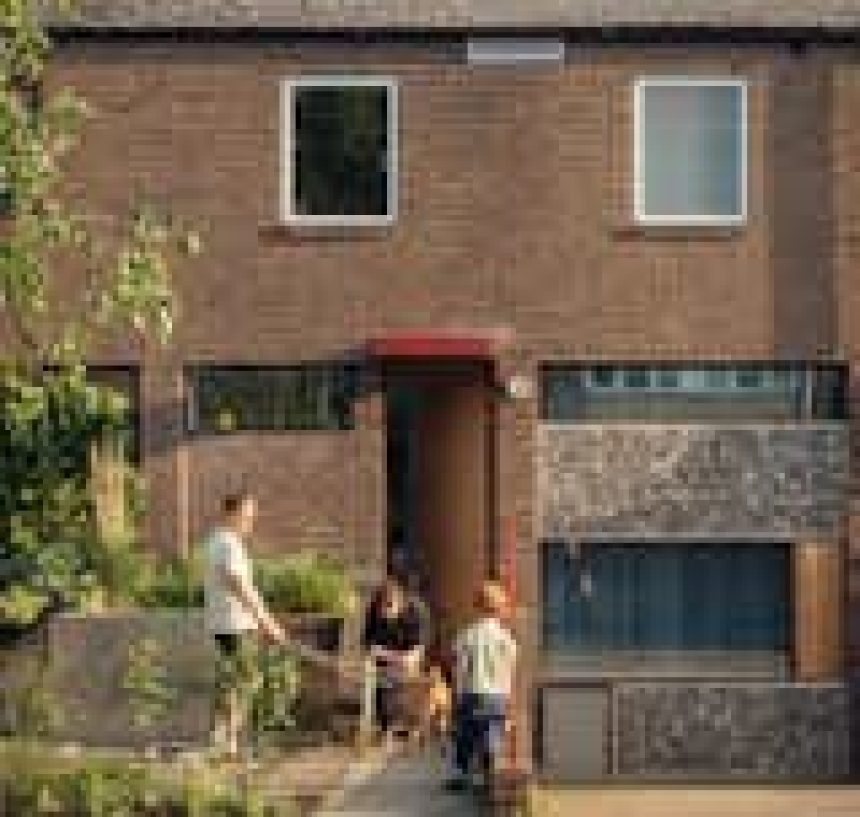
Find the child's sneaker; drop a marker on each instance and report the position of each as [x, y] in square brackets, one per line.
[457, 783]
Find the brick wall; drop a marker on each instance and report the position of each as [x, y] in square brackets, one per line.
[306, 483]
[514, 210]
[549, 249]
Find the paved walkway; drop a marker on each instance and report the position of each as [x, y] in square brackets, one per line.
[735, 801]
[408, 785]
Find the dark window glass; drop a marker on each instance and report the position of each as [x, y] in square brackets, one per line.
[637, 378]
[778, 392]
[749, 378]
[667, 596]
[293, 398]
[668, 379]
[341, 150]
[828, 393]
[124, 380]
[603, 377]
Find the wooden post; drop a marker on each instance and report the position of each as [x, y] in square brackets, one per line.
[368, 697]
[818, 590]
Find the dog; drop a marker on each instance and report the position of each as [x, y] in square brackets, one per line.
[428, 708]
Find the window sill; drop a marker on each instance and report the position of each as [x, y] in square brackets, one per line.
[298, 231]
[634, 231]
[648, 665]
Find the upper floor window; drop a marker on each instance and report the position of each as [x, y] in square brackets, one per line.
[315, 397]
[690, 152]
[339, 150]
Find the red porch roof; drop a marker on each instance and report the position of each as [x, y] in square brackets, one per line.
[438, 343]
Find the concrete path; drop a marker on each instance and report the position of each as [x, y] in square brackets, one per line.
[407, 785]
[728, 801]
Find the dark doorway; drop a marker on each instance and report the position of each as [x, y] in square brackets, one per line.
[441, 483]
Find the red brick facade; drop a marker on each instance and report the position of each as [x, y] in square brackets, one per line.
[515, 211]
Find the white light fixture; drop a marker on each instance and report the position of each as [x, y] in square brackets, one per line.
[519, 387]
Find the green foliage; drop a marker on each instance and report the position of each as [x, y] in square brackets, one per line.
[306, 583]
[36, 784]
[126, 283]
[146, 683]
[69, 277]
[53, 551]
[172, 584]
[29, 708]
[67, 533]
[274, 693]
[267, 683]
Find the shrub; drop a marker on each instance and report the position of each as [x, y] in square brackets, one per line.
[68, 501]
[33, 784]
[173, 584]
[306, 584]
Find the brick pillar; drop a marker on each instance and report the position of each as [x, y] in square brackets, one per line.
[516, 501]
[370, 526]
[164, 458]
[818, 593]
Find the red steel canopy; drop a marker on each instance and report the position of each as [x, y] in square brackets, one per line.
[482, 344]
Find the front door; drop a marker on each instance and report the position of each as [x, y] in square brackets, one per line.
[441, 484]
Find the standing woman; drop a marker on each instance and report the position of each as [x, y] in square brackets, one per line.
[392, 637]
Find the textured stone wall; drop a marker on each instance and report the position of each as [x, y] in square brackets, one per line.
[641, 480]
[83, 663]
[88, 666]
[732, 730]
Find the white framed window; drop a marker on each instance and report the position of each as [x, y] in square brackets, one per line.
[690, 151]
[339, 149]
[510, 50]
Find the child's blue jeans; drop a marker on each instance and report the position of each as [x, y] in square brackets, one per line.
[479, 729]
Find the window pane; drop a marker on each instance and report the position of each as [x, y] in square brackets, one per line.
[668, 596]
[690, 150]
[125, 381]
[341, 150]
[229, 399]
[761, 392]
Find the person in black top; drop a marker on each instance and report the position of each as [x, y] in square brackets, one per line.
[392, 637]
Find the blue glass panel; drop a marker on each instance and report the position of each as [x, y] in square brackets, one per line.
[673, 596]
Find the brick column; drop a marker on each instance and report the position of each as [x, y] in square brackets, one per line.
[370, 545]
[516, 500]
[163, 454]
[818, 593]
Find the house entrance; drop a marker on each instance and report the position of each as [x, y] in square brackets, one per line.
[441, 466]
